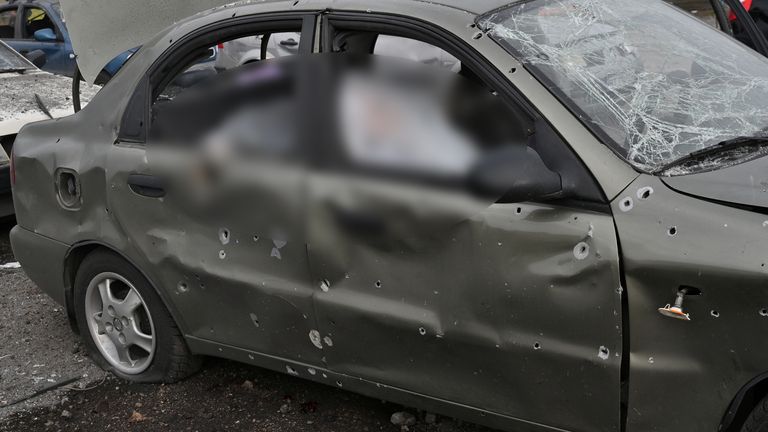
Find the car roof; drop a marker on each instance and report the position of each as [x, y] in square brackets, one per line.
[476, 7]
[100, 29]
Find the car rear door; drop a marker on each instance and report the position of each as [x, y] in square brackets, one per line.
[513, 308]
[219, 232]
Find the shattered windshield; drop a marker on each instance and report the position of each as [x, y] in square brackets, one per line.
[651, 81]
[11, 61]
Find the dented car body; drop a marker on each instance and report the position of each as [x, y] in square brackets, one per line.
[631, 176]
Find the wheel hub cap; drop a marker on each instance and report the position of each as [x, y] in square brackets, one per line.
[120, 323]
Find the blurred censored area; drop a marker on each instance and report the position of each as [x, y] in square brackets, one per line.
[398, 138]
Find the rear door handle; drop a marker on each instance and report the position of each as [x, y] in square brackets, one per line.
[147, 185]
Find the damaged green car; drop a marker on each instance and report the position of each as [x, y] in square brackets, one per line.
[537, 215]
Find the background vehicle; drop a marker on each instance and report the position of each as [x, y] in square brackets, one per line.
[624, 140]
[28, 25]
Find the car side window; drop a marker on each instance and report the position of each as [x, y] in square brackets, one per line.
[8, 23]
[35, 19]
[414, 110]
[230, 54]
[234, 98]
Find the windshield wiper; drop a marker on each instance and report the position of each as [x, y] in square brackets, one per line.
[723, 146]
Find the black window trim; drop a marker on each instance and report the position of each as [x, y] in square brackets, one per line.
[136, 117]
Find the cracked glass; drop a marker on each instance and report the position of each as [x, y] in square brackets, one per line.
[649, 80]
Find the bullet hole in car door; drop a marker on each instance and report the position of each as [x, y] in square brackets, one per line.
[228, 229]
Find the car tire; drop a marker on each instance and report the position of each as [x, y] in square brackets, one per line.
[125, 325]
[758, 418]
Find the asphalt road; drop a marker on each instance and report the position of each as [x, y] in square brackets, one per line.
[38, 350]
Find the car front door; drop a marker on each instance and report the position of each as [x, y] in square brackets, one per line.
[215, 226]
[57, 52]
[512, 307]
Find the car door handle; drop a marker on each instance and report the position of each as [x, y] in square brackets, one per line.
[147, 185]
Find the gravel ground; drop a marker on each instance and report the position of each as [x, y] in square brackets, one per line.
[17, 93]
[38, 349]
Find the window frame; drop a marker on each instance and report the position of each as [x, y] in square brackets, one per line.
[136, 119]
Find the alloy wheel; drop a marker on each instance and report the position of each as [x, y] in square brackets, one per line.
[120, 323]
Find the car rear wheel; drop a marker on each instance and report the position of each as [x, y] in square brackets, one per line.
[758, 418]
[124, 323]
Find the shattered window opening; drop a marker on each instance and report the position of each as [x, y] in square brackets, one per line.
[651, 81]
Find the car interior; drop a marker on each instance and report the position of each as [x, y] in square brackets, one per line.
[35, 19]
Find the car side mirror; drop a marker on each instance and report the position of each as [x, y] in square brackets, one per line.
[37, 58]
[515, 174]
[45, 35]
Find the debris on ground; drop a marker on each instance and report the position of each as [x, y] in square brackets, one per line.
[137, 417]
[403, 418]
